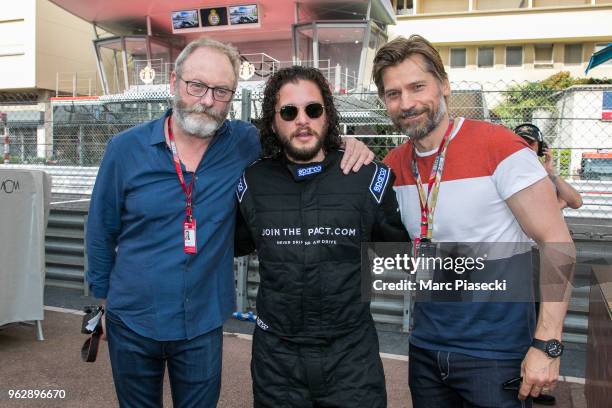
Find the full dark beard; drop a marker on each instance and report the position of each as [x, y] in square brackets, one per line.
[419, 131]
[301, 154]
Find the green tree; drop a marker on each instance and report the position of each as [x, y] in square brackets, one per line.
[521, 101]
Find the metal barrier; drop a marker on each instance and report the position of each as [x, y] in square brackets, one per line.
[66, 260]
[597, 195]
[65, 179]
[66, 264]
[393, 310]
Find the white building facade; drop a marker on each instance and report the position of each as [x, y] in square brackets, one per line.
[510, 40]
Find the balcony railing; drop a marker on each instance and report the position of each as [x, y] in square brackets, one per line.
[147, 76]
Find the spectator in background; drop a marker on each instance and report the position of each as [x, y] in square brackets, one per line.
[567, 196]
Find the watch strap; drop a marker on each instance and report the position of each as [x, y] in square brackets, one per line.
[539, 344]
[542, 345]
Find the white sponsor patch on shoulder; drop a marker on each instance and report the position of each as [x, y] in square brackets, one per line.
[241, 188]
[379, 182]
[262, 325]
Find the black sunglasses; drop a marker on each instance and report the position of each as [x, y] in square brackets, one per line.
[290, 112]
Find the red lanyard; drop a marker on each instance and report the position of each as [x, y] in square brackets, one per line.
[179, 172]
[428, 201]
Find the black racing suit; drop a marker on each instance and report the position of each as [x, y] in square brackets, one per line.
[315, 343]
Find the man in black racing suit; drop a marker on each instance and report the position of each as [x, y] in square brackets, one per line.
[315, 344]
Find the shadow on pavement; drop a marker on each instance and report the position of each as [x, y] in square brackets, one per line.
[55, 364]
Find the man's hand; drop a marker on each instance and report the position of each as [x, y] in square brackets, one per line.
[103, 319]
[356, 154]
[548, 162]
[539, 372]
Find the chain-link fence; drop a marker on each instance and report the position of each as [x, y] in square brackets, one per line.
[68, 136]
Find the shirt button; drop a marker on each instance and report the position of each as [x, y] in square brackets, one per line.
[187, 300]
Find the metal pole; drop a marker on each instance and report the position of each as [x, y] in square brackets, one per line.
[315, 45]
[337, 79]
[407, 312]
[242, 269]
[22, 153]
[74, 84]
[245, 112]
[81, 145]
[126, 77]
[39, 331]
[359, 78]
[149, 29]
[7, 156]
[85, 261]
[345, 79]
[101, 72]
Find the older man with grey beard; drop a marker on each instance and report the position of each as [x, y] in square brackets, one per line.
[160, 234]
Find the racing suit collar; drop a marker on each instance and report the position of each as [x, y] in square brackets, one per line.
[306, 171]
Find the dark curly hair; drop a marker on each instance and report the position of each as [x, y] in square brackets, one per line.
[270, 144]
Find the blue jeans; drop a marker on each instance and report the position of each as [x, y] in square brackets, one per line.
[139, 363]
[439, 379]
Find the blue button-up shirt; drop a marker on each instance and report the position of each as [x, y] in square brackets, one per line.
[135, 242]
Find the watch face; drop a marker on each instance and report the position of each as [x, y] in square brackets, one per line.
[554, 348]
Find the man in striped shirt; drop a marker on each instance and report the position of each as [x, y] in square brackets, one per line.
[487, 186]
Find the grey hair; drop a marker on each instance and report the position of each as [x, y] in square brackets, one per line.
[226, 49]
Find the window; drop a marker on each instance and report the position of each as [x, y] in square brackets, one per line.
[457, 58]
[404, 7]
[599, 47]
[485, 57]
[543, 56]
[514, 56]
[573, 54]
[23, 143]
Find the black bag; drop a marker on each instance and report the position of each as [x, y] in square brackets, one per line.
[89, 351]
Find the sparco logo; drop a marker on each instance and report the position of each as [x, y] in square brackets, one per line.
[307, 171]
[261, 324]
[9, 186]
[380, 180]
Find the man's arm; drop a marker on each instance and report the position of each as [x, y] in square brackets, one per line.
[356, 154]
[104, 222]
[535, 209]
[243, 242]
[388, 226]
[566, 194]
[561, 203]
[103, 319]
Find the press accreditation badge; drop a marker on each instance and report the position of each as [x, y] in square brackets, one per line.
[189, 234]
[425, 248]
